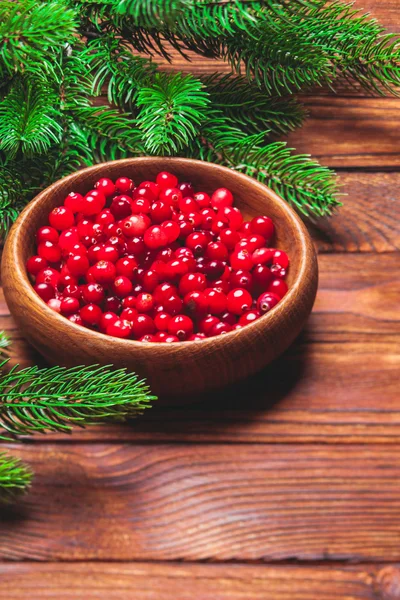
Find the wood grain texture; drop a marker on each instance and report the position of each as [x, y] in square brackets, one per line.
[207, 502]
[141, 581]
[339, 383]
[171, 369]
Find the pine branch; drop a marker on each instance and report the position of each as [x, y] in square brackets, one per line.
[149, 14]
[30, 31]
[15, 477]
[29, 119]
[55, 399]
[249, 108]
[171, 111]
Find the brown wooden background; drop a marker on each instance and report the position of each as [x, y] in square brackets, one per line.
[286, 488]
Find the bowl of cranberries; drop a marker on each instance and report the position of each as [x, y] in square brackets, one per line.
[191, 274]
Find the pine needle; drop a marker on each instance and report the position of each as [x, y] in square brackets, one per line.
[15, 477]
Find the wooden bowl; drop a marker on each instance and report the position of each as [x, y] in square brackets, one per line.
[179, 368]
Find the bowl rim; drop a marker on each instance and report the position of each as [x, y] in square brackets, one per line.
[306, 258]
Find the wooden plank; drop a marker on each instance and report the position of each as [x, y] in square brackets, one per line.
[119, 581]
[339, 383]
[198, 502]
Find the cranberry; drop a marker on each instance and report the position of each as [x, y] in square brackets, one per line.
[140, 205]
[232, 215]
[216, 301]
[172, 305]
[74, 202]
[229, 237]
[241, 259]
[104, 272]
[241, 279]
[128, 313]
[208, 218]
[220, 284]
[148, 338]
[278, 287]
[119, 328]
[105, 186]
[48, 275]
[181, 326]
[239, 301]
[121, 207]
[85, 228]
[35, 264]
[183, 252]
[203, 200]
[196, 304]
[266, 301]
[47, 234]
[93, 253]
[186, 228]
[161, 321]
[93, 292]
[160, 211]
[197, 242]
[197, 337]
[127, 266]
[262, 226]
[220, 328]
[263, 256]
[78, 264]
[93, 203]
[129, 302]
[76, 318]
[112, 230]
[54, 304]
[217, 251]
[123, 185]
[91, 314]
[171, 196]
[172, 229]
[72, 291]
[192, 282]
[280, 258]
[69, 306]
[112, 304]
[135, 246]
[142, 325]
[105, 218]
[145, 194]
[122, 286]
[188, 205]
[155, 237]
[144, 302]
[61, 218]
[108, 252]
[214, 269]
[166, 180]
[106, 319]
[167, 339]
[221, 197]
[207, 324]
[249, 317]
[175, 269]
[150, 280]
[186, 189]
[45, 291]
[245, 229]
[229, 317]
[219, 225]
[152, 187]
[261, 277]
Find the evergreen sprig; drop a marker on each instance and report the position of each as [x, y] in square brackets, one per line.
[15, 477]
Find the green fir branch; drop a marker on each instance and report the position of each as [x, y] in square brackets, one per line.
[15, 478]
[57, 398]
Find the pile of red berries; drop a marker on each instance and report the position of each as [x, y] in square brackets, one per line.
[157, 262]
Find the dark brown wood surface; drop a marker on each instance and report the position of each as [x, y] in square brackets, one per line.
[286, 487]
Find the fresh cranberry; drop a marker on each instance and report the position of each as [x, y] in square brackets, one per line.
[196, 337]
[140, 205]
[175, 269]
[216, 300]
[214, 269]
[261, 277]
[266, 301]
[35, 264]
[171, 196]
[155, 237]
[161, 321]
[166, 180]
[128, 302]
[150, 280]
[196, 304]
[281, 259]
[207, 324]
[61, 218]
[123, 185]
[229, 317]
[93, 253]
[219, 225]
[106, 319]
[220, 328]
[45, 291]
[109, 252]
[232, 215]
[221, 197]
[186, 189]
[105, 218]
[69, 306]
[263, 256]
[188, 205]
[229, 237]
[78, 264]
[181, 326]
[112, 304]
[197, 242]
[262, 226]
[47, 234]
[172, 305]
[239, 301]
[91, 314]
[135, 246]
[112, 229]
[172, 229]
[217, 251]
[106, 186]
[122, 286]
[68, 238]
[160, 211]
[183, 252]
[186, 228]
[192, 282]
[145, 194]
[241, 259]
[121, 207]
[249, 317]
[93, 293]
[128, 313]
[278, 287]
[241, 279]
[142, 325]
[54, 304]
[148, 338]
[75, 318]
[152, 187]
[126, 266]
[72, 291]
[203, 200]
[144, 302]
[220, 284]
[93, 203]
[104, 272]
[85, 228]
[49, 275]
[119, 329]
[74, 202]
[208, 217]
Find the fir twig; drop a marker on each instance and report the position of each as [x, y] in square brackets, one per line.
[15, 477]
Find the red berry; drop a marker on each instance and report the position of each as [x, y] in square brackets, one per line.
[68, 238]
[186, 189]
[135, 225]
[167, 338]
[232, 215]
[219, 225]
[214, 269]
[171, 196]
[127, 266]
[76, 318]
[140, 205]
[197, 242]
[135, 246]
[123, 185]
[196, 304]
[166, 180]
[197, 337]
[144, 302]
[78, 264]
[108, 252]
[263, 226]
[278, 287]
[121, 207]
[93, 203]
[172, 305]
[74, 202]
[91, 314]
[217, 251]
[145, 194]
[241, 259]
[48, 275]
[229, 237]
[35, 264]
[216, 300]
[261, 277]
[105, 218]
[160, 211]
[263, 256]
[172, 229]
[72, 291]
[128, 313]
[45, 291]
[161, 321]
[112, 230]
[150, 280]
[54, 304]
[69, 306]
[119, 329]
[142, 325]
[105, 186]
[203, 200]
[239, 301]
[93, 253]
[148, 338]
[152, 187]
[85, 228]
[47, 234]
[61, 218]
[175, 269]
[221, 197]
[208, 217]
[221, 284]
[181, 326]
[280, 258]
[188, 205]
[249, 317]
[106, 319]
[76, 249]
[266, 301]
[128, 302]
[122, 286]
[112, 304]
[155, 237]
[241, 279]
[104, 272]
[93, 292]
[163, 291]
[192, 282]
[186, 228]
[220, 328]
[207, 324]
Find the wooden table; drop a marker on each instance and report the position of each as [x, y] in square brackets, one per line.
[286, 489]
